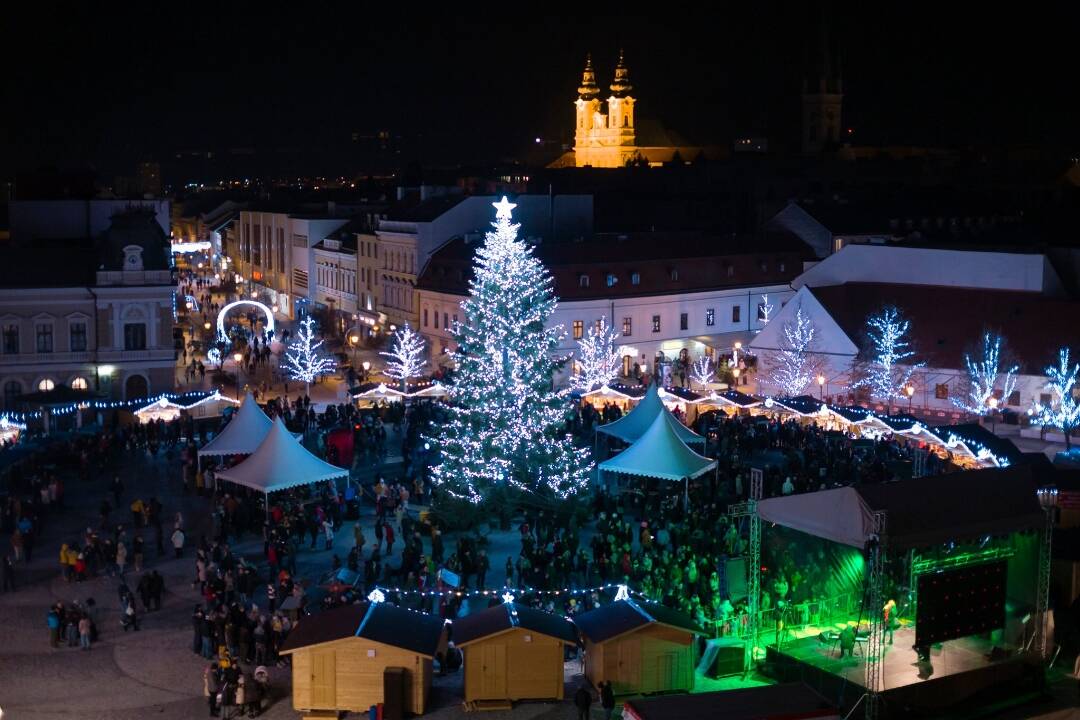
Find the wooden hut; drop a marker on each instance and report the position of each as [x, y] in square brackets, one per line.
[340, 657]
[640, 647]
[513, 652]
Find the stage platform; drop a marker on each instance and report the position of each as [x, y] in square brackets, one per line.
[958, 671]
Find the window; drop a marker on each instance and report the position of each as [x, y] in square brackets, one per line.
[736, 313]
[44, 338]
[11, 340]
[269, 249]
[764, 265]
[627, 326]
[674, 273]
[45, 385]
[78, 336]
[455, 321]
[596, 324]
[710, 317]
[635, 278]
[782, 266]
[425, 318]
[134, 336]
[1045, 399]
[730, 270]
[256, 246]
[12, 390]
[610, 279]
[579, 329]
[245, 243]
[684, 321]
[627, 365]
[941, 391]
[656, 323]
[583, 280]
[445, 324]
[1014, 398]
[281, 250]
[79, 383]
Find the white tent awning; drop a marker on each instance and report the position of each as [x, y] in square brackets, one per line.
[244, 432]
[659, 453]
[280, 463]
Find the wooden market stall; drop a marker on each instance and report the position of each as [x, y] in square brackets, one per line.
[640, 647]
[343, 659]
[513, 652]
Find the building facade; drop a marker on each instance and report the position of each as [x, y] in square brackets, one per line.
[101, 322]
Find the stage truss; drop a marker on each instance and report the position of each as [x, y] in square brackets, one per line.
[748, 510]
[875, 646]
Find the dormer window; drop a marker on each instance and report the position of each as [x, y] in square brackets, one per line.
[583, 280]
[635, 278]
[674, 274]
[611, 279]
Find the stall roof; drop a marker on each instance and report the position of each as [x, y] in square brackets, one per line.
[920, 511]
[767, 702]
[243, 434]
[501, 618]
[280, 462]
[737, 398]
[618, 618]
[380, 622]
[633, 425]
[659, 453]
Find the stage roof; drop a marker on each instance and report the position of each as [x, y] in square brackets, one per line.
[920, 512]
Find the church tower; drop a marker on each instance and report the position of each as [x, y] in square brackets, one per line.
[602, 139]
[822, 102]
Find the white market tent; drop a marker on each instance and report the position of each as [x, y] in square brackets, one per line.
[635, 423]
[659, 453]
[279, 463]
[244, 432]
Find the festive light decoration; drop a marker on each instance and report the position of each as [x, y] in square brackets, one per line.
[508, 597]
[597, 357]
[225, 311]
[507, 427]
[622, 594]
[303, 359]
[1063, 410]
[166, 409]
[886, 378]
[376, 596]
[521, 592]
[982, 377]
[406, 357]
[794, 365]
[702, 371]
[106, 405]
[765, 310]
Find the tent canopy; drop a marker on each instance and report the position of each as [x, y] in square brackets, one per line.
[659, 453]
[635, 423]
[244, 432]
[280, 463]
[920, 512]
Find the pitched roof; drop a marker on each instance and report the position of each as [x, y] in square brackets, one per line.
[380, 622]
[637, 422]
[621, 617]
[947, 322]
[328, 626]
[659, 453]
[23, 266]
[500, 618]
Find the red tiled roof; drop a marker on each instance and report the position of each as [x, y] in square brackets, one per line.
[946, 322]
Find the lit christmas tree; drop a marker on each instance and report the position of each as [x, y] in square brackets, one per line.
[303, 359]
[702, 371]
[792, 367]
[406, 358]
[507, 426]
[1063, 410]
[885, 376]
[983, 375]
[597, 357]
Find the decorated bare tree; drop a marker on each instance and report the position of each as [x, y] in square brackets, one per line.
[889, 368]
[983, 373]
[597, 357]
[794, 364]
[406, 357]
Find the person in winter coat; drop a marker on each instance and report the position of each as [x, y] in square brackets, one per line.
[211, 687]
[582, 701]
[328, 529]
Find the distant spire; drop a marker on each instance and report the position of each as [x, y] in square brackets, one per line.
[621, 86]
[589, 88]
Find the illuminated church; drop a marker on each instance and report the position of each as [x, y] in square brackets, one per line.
[609, 139]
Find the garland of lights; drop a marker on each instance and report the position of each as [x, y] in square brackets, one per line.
[507, 427]
[622, 592]
[205, 396]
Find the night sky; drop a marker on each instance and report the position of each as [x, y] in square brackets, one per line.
[90, 88]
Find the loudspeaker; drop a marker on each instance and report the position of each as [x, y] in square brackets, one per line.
[998, 653]
[728, 661]
[393, 693]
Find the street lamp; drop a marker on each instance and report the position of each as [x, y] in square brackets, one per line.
[366, 366]
[206, 325]
[909, 390]
[821, 387]
[735, 374]
[354, 339]
[992, 402]
[238, 358]
[735, 353]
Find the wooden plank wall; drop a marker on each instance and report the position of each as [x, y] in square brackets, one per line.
[507, 666]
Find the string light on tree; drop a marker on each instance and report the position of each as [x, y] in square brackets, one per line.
[794, 365]
[304, 361]
[506, 426]
[1063, 410]
[598, 358]
[886, 377]
[406, 357]
[983, 376]
[765, 310]
[702, 371]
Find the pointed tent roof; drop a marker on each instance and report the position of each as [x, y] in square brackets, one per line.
[279, 463]
[659, 453]
[243, 433]
[634, 424]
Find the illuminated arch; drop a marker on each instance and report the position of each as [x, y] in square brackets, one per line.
[225, 311]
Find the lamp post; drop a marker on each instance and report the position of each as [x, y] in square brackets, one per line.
[992, 402]
[821, 387]
[354, 340]
[238, 358]
[366, 366]
[735, 374]
[735, 353]
[909, 390]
